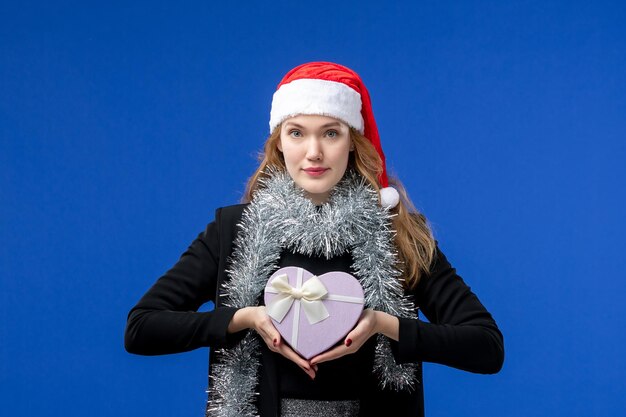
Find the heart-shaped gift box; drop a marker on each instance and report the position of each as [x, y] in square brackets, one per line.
[312, 313]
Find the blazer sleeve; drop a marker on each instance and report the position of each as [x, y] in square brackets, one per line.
[166, 320]
[461, 332]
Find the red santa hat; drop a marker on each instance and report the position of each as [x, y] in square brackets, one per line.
[333, 90]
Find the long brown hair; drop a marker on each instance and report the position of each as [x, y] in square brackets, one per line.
[414, 239]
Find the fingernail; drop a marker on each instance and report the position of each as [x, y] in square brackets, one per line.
[348, 342]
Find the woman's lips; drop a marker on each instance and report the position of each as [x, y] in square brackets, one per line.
[315, 172]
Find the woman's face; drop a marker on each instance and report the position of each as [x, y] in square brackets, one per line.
[316, 150]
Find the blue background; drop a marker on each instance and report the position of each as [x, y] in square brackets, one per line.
[123, 125]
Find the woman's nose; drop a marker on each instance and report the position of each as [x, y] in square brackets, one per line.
[314, 149]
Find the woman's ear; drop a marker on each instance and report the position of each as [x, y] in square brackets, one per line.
[279, 146]
[351, 146]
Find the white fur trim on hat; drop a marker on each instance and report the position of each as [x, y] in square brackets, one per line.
[389, 197]
[313, 96]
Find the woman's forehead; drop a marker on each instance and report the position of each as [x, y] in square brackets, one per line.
[313, 121]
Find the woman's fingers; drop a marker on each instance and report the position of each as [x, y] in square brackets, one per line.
[265, 328]
[329, 355]
[351, 344]
[273, 335]
[353, 341]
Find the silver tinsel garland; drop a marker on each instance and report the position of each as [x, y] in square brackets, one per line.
[279, 218]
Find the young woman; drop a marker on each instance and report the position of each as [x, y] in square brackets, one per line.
[320, 200]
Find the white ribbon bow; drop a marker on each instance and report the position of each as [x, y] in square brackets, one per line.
[309, 296]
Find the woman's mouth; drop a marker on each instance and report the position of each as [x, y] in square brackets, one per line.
[315, 172]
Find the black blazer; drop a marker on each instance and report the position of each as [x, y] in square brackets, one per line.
[461, 332]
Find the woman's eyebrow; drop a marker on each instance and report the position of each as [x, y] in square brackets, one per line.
[293, 124]
[332, 124]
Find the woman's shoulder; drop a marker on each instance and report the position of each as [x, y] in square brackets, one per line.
[224, 225]
[230, 214]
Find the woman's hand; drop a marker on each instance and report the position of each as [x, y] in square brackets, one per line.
[256, 318]
[370, 323]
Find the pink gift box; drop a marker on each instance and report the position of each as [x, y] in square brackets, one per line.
[334, 313]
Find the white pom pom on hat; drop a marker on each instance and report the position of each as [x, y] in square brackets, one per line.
[330, 89]
[389, 197]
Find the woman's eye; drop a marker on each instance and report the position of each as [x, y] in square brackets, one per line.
[295, 134]
[332, 133]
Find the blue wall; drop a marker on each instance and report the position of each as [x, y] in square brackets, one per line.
[123, 125]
